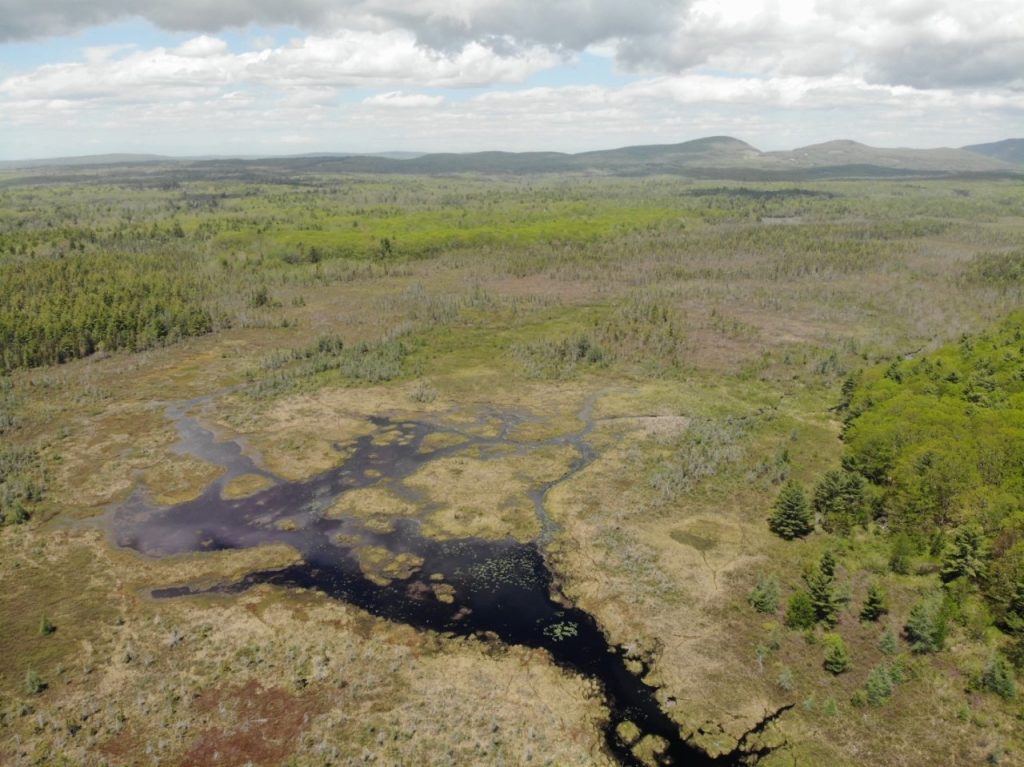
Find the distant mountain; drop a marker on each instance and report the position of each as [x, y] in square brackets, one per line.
[1010, 150]
[852, 153]
[92, 159]
[715, 157]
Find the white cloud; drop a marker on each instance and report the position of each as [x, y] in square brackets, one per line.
[204, 63]
[403, 100]
[776, 72]
[924, 43]
[201, 47]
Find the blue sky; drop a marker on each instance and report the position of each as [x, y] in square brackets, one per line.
[186, 77]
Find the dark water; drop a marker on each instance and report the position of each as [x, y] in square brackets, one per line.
[497, 588]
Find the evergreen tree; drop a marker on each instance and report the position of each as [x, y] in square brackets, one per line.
[791, 516]
[800, 612]
[1013, 621]
[874, 604]
[821, 589]
[46, 626]
[998, 678]
[827, 565]
[33, 683]
[765, 596]
[926, 626]
[879, 686]
[837, 657]
[889, 643]
[839, 501]
[965, 556]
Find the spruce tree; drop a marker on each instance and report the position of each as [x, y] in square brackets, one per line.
[926, 626]
[764, 597]
[874, 604]
[791, 516]
[821, 589]
[828, 564]
[839, 501]
[1014, 619]
[965, 557]
[800, 612]
[998, 678]
[837, 657]
[889, 644]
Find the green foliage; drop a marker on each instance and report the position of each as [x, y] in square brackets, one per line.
[1013, 620]
[46, 626]
[827, 565]
[1015, 651]
[839, 501]
[800, 612]
[764, 597]
[54, 309]
[965, 557]
[21, 482]
[875, 605]
[881, 683]
[889, 643]
[926, 626]
[1004, 270]
[785, 679]
[554, 360]
[998, 678]
[822, 592]
[791, 516]
[836, 656]
[33, 683]
[940, 438]
[901, 549]
[286, 371]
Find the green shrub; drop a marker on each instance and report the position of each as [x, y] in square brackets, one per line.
[33, 683]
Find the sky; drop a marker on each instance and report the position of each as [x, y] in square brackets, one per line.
[262, 77]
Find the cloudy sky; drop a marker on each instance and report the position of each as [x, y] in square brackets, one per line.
[287, 76]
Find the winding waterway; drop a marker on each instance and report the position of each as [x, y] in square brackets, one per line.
[499, 588]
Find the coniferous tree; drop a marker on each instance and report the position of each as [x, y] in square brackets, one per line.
[791, 516]
[839, 501]
[828, 564]
[821, 589]
[1014, 618]
[998, 678]
[837, 657]
[965, 556]
[764, 597]
[800, 612]
[879, 686]
[874, 604]
[926, 626]
[889, 643]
